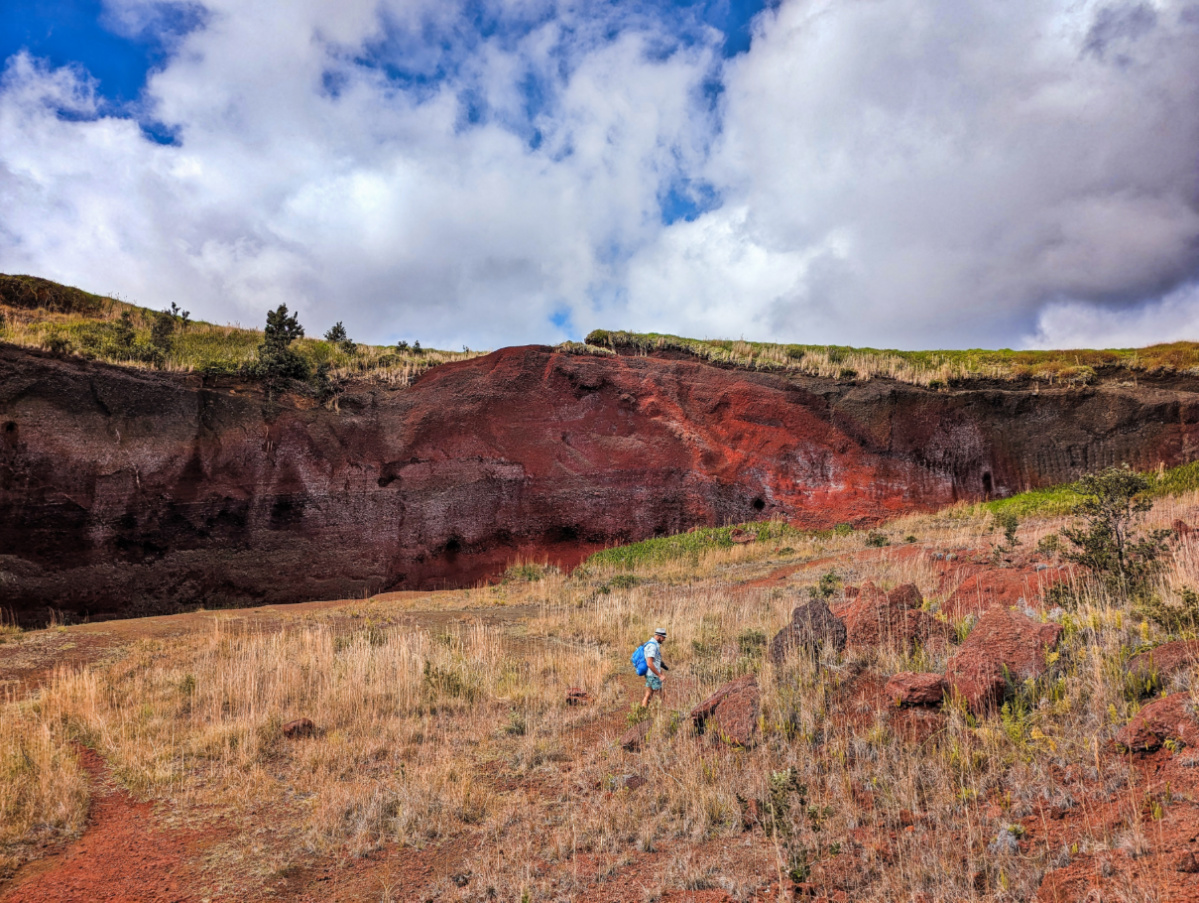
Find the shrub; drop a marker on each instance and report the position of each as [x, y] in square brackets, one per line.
[1104, 541]
[877, 540]
[1006, 520]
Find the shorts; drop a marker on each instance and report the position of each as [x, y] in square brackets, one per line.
[653, 681]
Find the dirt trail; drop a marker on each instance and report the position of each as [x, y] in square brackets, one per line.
[124, 854]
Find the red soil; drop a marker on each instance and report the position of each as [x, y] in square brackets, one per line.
[123, 855]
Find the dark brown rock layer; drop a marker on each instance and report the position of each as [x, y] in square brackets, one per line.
[125, 491]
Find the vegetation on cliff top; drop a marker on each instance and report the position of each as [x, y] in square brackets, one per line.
[929, 368]
[38, 313]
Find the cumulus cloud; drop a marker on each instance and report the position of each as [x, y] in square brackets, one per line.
[914, 173]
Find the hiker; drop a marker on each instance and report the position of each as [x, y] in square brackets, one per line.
[654, 666]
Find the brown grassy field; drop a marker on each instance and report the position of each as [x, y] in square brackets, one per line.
[444, 739]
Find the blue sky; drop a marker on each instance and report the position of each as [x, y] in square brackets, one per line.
[499, 171]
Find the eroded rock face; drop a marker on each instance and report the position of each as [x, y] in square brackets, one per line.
[1171, 718]
[812, 625]
[126, 491]
[1002, 641]
[731, 713]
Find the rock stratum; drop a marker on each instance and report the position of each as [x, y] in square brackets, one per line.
[126, 491]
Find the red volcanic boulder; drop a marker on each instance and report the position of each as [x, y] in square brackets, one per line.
[1165, 660]
[298, 729]
[1000, 588]
[1181, 529]
[908, 688]
[1172, 718]
[876, 618]
[731, 713]
[742, 536]
[577, 696]
[812, 625]
[634, 738]
[1001, 641]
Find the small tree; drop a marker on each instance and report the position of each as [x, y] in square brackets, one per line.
[178, 313]
[337, 335]
[1105, 542]
[277, 362]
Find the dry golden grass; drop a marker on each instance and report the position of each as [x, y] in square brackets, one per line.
[457, 731]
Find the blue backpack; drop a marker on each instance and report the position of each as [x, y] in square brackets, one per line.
[639, 660]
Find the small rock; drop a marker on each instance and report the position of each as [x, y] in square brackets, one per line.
[461, 879]
[731, 713]
[909, 688]
[634, 737]
[812, 625]
[1187, 863]
[627, 782]
[1171, 718]
[298, 729]
[739, 535]
[577, 696]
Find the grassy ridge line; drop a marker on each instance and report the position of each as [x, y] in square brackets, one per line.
[37, 313]
[930, 368]
[1053, 501]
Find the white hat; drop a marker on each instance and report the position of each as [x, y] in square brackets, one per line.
[659, 632]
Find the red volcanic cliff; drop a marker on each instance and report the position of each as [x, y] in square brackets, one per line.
[136, 491]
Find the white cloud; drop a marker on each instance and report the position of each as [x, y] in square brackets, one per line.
[911, 173]
[976, 160]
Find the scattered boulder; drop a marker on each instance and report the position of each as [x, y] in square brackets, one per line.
[626, 782]
[738, 535]
[978, 681]
[909, 688]
[1171, 718]
[634, 738]
[1165, 660]
[299, 729]
[731, 713]
[876, 618]
[1002, 640]
[578, 696]
[812, 625]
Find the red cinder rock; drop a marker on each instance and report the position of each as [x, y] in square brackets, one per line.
[742, 536]
[731, 713]
[908, 688]
[577, 696]
[1171, 718]
[634, 738]
[1002, 640]
[1165, 660]
[298, 729]
[812, 625]
[876, 618]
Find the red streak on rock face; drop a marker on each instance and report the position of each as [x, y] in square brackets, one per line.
[132, 491]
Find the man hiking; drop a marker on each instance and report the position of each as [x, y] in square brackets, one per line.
[654, 666]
